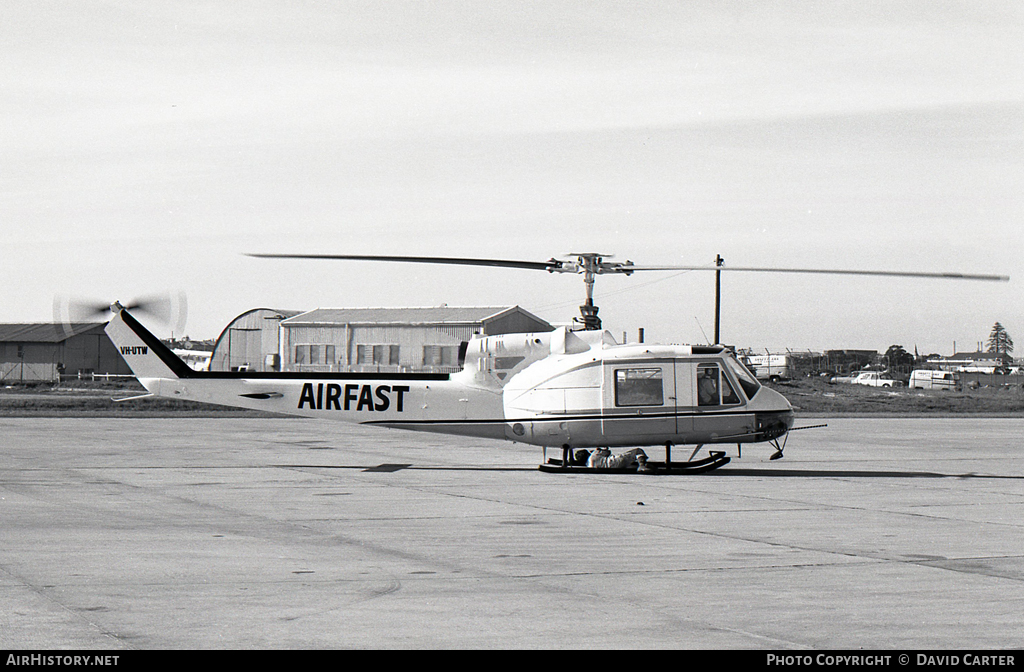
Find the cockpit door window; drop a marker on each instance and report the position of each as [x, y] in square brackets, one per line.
[713, 388]
[707, 385]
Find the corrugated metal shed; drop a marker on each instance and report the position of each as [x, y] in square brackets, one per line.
[251, 341]
[393, 339]
[361, 339]
[44, 351]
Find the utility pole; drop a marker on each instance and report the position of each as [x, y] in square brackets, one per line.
[718, 299]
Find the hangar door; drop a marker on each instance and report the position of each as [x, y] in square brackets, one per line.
[245, 349]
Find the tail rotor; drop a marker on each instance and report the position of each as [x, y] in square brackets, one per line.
[170, 310]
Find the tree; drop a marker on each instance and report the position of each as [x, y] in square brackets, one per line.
[999, 341]
[898, 359]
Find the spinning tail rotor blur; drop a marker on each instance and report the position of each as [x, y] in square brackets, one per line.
[170, 310]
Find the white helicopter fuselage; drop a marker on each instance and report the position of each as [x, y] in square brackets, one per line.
[559, 388]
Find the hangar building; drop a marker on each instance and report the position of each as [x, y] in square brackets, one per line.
[44, 351]
[976, 362]
[362, 339]
[251, 342]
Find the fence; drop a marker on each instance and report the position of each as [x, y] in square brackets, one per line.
[89, 375]
[975, 379]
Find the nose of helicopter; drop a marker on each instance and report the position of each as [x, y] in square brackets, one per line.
[773, 412]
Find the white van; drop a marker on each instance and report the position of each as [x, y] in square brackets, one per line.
[926, 379]
[769, 367]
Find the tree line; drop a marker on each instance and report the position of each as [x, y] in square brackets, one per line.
[897, 359]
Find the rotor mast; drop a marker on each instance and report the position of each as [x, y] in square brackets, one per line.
[589, 264]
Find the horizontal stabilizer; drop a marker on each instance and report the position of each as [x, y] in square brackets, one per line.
[138, 396]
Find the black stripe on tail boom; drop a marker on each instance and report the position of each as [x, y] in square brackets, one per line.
[173, 362]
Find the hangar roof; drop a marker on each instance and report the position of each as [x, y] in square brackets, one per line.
[45, 332]
[405, 316]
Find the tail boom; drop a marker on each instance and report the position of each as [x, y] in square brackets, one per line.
[409, 400]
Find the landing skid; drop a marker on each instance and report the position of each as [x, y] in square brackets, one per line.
[715, 459]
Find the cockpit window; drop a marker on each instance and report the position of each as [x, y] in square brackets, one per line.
[746, 379]
[729, 396]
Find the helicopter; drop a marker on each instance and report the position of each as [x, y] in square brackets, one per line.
[576, 389]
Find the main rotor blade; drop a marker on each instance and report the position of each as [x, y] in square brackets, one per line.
[627, 268]
[458, 261]
[826, 271]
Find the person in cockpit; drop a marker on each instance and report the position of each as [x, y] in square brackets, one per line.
[707, 387]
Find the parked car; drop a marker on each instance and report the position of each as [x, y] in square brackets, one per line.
[870, 378]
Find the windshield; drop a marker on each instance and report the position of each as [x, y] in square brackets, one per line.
[746, 379]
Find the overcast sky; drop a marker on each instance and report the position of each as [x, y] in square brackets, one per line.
[148, 146]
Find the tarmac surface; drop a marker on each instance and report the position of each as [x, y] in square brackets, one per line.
[193, 533]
